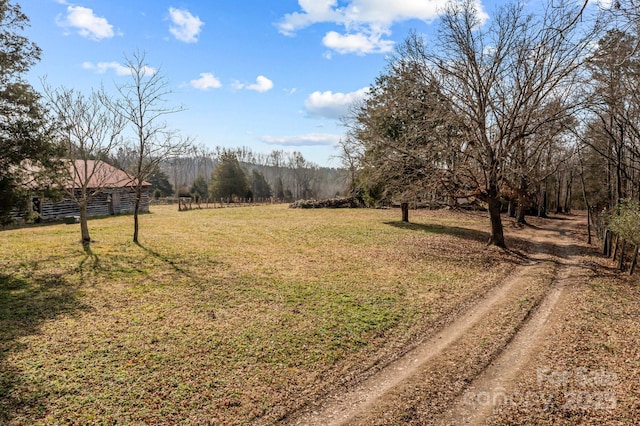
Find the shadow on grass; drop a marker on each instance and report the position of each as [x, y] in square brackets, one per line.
[90, 262]
[165, 259]
[455, 231]
[518, 246]
[25, 305]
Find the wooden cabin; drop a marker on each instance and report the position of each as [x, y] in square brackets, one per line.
[112, 189]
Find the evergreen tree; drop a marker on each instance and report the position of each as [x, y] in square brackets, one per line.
[228, 180]
[160, 182]
[23, 133]
[200, 188]
[259, 185]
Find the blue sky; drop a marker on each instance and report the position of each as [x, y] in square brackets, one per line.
[264, 74]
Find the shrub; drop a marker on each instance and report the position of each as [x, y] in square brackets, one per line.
[625, 221]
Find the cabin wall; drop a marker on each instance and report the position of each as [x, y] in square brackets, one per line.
[109, 202]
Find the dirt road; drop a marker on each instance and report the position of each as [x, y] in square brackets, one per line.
[459, 374]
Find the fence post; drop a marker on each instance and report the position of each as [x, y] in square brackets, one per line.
[634, 261]
[621, 261]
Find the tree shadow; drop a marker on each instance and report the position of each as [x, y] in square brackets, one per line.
[90, 262]
[518, 246]
[25, 305]
[455, 231]
[165, 259]
[562, 227]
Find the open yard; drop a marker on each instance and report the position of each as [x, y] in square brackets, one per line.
[247, 315]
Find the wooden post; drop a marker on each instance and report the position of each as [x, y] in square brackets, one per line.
[621, 260]
[615, 250]
[404, 206]
[588, 225]
[606, 250]
[634, 261]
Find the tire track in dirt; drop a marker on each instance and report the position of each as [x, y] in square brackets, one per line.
[339, 408]
[491, 387]
[495, 384]
[343, 406]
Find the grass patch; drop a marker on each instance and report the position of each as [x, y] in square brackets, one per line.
[229, 316]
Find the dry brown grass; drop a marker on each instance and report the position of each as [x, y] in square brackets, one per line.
[227, 316]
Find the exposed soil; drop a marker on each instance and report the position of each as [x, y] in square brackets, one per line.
[464, 373]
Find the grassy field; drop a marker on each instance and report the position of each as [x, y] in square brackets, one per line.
[225, 316]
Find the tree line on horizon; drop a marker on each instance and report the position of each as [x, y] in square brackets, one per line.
[283, 176]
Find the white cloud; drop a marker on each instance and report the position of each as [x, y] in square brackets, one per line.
[366, 22]
[86, 23]
[332, 105]
[262, 84]
[206, 81]
[313, 11]
[357, 43]
[186, 27]
[359, 12]
[119, 69]
[311, 139]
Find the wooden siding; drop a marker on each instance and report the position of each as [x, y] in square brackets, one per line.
[109, 202]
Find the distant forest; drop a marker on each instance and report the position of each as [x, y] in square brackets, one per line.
[288, 174]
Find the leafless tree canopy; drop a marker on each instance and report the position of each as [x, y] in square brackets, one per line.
[475, 112]
[89, 132]
[143, 103]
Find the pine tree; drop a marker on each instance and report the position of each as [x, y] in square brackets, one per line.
[228, 180]
[23, 134]
[259, 185]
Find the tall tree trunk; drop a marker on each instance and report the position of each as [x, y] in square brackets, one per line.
[634, 260]
[138, 187]
[587, 206]
[523, 188]
[586, 201]
[567, 195]
[135, 214]
[542, 206]
[497, 233]
[84, 226]
[404, 206]
[622, 250]
[619, 190]
[558, 192]
[520, 216]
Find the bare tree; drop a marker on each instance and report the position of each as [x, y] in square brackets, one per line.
[537, 157]
[89, 132]
[350, 157]
[303, 174]
[143, 104]
[499, 79]
[613, 127]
